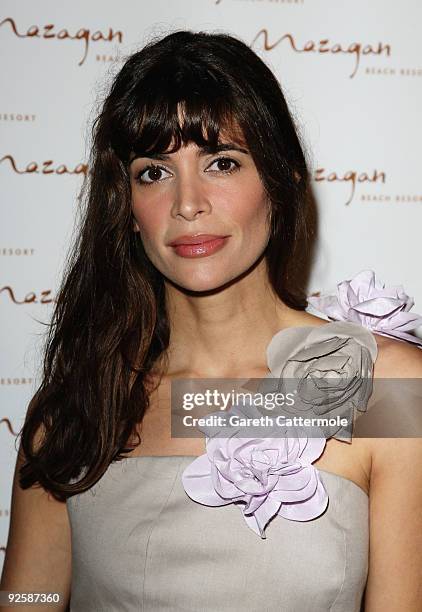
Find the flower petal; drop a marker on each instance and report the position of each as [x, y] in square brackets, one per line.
[197, 482]
[259, 519]
[369, 302]
[308, 509]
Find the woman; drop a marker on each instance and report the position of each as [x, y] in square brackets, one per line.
[186, 267]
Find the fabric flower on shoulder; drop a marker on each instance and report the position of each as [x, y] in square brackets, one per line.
[367, 301]
[267, 476]
[329, 368]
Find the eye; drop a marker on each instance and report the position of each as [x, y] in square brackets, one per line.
[225, 162]
[152, 172]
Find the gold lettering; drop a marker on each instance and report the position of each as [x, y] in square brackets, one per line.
[332, 177]
[13, 26]
[30, 298]
[8, 425]
[47, 28]
[46, 164]
[322, 43]
[112, 35]
[10, 291]
[44, 294]
[354, 48]
[267, 45]
[32, 167]
[97, 36]
[81, 169]
[12, 163]
[318, 173]
[378, 175]
[83, 34]
[33, 31]
[350, 176]
[62, 34]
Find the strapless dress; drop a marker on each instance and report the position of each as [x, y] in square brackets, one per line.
[140, 543]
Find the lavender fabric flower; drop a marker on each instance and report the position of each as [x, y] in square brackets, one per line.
[267, 476]
[365, 300]
[329, 368]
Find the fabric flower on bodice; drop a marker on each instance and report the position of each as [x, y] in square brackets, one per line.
[329, 368]
[365, 300]
[267, 476]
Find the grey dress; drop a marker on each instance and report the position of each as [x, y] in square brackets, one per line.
[139, 542]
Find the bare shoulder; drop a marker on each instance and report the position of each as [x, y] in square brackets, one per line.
[302, 318]
[397, 359]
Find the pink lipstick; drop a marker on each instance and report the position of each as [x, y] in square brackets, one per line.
[198, 245]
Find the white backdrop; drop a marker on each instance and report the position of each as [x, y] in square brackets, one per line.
[351, 71]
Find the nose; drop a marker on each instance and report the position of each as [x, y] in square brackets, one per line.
[190, 200]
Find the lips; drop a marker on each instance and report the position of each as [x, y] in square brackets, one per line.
[196, 239]
[201, 245]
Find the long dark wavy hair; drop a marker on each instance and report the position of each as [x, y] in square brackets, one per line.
[110, 328]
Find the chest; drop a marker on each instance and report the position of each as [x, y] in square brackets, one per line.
[349, 460]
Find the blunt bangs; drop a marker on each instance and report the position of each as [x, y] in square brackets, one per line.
[179, 105]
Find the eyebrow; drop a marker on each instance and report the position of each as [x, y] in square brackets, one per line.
[205, 150]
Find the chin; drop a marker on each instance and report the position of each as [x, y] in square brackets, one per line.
[200, 283]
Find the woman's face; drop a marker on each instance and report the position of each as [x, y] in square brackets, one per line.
[194, 191]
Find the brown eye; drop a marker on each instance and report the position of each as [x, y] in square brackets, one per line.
[225, 165]
[151, 174]
[154, 174]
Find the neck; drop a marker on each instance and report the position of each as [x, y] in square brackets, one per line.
[224, 332]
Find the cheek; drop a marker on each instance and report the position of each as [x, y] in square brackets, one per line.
[149, 220]
[250, 213]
